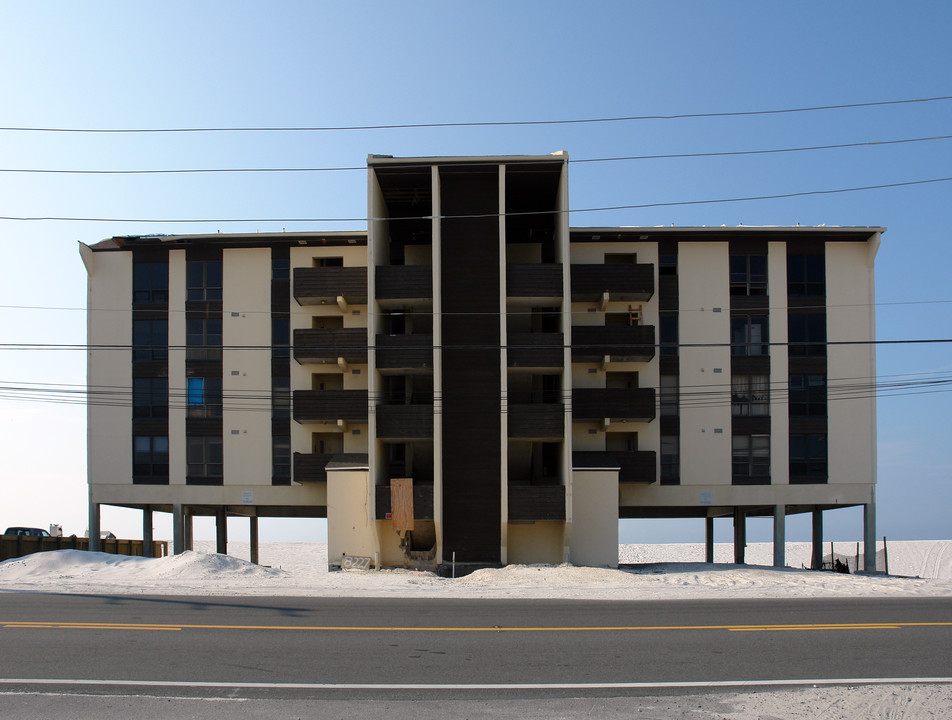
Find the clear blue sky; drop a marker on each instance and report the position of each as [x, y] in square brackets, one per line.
[175, 64]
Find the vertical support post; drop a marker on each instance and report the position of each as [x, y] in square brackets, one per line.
[779, 536]
[253, 538]
[869, 536]
[178, 529]
[817, 561]
[94, 543]
[147, 531]
[709, 540]
[221, 531]
[740, 535]
[189, 529]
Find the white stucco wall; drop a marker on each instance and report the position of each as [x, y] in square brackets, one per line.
[777, 332]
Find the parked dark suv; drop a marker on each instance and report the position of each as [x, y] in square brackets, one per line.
[35, 532]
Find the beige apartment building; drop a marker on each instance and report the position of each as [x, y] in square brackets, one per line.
[472, 381]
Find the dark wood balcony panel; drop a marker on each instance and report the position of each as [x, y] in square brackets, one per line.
[617, 404]
[622, 343]
[310, 467]
[404, 422]
[633, 467]
[404, 352]
[750, 365]
[542, 421]
[325, 346]
[543, 280]
[749, 302]
[323, 285]
[536, 502]
[632, 283]
[746, 425]
[422, 501]
[535, 350]
[403, 282]
[330, 405]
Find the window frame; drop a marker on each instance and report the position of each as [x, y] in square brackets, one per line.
[750, 391]
[806, 399]
[745, 281]
[748, 347]
[807, 466]
[157, 282]
[204, 458]
[210, 346]
[150, 402]
[204, 280]
[750, 457]
[157, 347]
[151, 461]
[806, 334]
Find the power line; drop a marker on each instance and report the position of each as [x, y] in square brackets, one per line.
[640, 206]
[363, 168]
[499, 123]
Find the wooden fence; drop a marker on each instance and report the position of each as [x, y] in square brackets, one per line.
[14, 546]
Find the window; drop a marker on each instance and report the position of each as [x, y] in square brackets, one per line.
[280, 398]
[204, 397]
[808, 457]
[750, 395]
[329, 262]
[150, 456]
[150, 397]
[203, 338]
[749, 335]
[667, 264]
[748, 274]
[807, 396]
[280, 269]
[668, 395]
[806, 334]
[806, 275]
[204, 457]
[750, 457]
[203, 280]
[281, 460]
[670, 460]
[280, 337]
[668, 334]
[150, 282]
[150, 340]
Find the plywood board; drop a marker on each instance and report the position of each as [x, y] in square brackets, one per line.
[401, 503]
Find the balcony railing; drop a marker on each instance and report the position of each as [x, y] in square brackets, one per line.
[404, 422]
[323, 285]
[327, 345]
[535, 350]
[422, 501]
[616, 404]
[633, 467]
[543, 280]
[330, 405]
[539, 421]
[621, 343]
[403, 282]
[536, 502]
[404, 352]
[309, 467]
[630, 283]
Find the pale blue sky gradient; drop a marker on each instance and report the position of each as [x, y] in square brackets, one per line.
[176, 64]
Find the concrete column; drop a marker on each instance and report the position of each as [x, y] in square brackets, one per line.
[221, 531]
[709, 540]
[189, 529]
[178, 529]
[147, 531]
[869, 537]
[94, 543]
[817, 561]
[253, 538]
[779, 536]
[740, 535]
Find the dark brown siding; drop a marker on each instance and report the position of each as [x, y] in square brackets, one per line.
[616, 403]
[622, 282]
[469, 269]
[537, 281]
[536, 502]
[323, 284]
[535, 350]
[396, 422]
[537, 422]
[330, 344]
[404, 282]
[624, 343]
[404, 352]
[330, 405]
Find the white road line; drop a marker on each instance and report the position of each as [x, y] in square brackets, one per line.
[478, 686]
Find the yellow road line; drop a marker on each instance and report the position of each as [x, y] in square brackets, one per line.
[34, 625]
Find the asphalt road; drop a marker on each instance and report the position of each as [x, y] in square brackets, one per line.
[403, 648]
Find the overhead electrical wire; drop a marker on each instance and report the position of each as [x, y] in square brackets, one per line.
[487, 123]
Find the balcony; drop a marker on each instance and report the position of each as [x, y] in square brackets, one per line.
[615, 404]
[625, 283]
[621, 343]
[539, 421]
[404, 422]
[403, 285]
[323, 285]
[314, 406]
[422, 501]
[536, 502]
[404, 352]
[535, 351]
[327, 345]
[311, 467]
[539, 281]
[633, 467]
